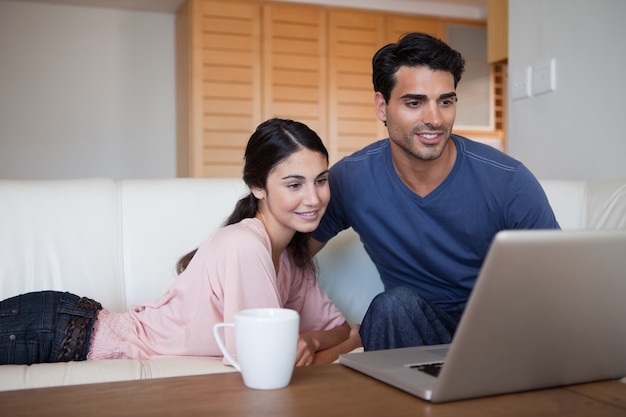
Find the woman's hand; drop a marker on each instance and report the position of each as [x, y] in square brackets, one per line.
[307, 347]
[355, 336]
[326, 346]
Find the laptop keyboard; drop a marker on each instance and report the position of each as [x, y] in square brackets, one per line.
[432, 369]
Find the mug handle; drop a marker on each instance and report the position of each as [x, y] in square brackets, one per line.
[220, 343]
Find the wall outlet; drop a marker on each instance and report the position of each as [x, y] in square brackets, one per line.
[544, 80]
[520, 83]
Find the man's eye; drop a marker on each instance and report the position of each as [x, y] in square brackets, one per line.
[413, 103]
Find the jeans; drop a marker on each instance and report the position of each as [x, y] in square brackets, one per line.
[400, 317]
[42, 326]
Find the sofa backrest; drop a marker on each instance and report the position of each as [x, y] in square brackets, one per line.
[61, 235]
[162, 221]
[588, 204]
[115, 241]
[118, 241]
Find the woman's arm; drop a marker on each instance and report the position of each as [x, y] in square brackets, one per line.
[331, 354]
[324, 346]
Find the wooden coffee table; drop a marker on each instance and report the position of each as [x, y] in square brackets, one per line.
[321, 391]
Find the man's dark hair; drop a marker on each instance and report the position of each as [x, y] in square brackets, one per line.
[413, 49]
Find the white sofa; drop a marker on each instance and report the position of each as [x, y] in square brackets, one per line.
[117, 241]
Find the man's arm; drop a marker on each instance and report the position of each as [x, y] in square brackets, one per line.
[315, 246]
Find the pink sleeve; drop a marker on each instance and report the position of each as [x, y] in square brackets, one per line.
[317, 311]
[242, 275]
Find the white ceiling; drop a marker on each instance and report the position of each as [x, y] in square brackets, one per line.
[171, 6]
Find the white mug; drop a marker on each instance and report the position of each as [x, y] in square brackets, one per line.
[266, 342]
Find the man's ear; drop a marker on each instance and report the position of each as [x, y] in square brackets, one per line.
[258, 192]
[381, 106]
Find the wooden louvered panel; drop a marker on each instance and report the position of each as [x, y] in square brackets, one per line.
[294, 72]
[357, 133]
[399, 25]
[240, 62]
[184, 107]
[354, 37]
[499, 87]
[225, 85]
[237, 140]
[228, 106]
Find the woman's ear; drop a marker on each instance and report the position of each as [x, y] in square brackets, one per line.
[258, 192]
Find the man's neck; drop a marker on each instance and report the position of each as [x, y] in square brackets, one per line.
[423, 177]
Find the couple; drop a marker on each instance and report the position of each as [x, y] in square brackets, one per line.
[448, 195]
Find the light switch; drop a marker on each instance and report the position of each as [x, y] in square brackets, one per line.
[520, 83]
[544, 80]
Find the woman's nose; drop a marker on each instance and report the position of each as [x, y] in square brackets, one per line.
[312, 196]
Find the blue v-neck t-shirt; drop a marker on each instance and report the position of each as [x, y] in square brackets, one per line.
[435, 244]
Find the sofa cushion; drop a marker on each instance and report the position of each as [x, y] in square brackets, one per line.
[606, 205]
[567, 199]
[110, 370]
[348, 275]
[68, 373]
[162, 221]
[61, 235]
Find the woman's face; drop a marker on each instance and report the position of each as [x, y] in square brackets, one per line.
[296, 194]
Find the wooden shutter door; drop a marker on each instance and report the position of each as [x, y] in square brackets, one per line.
[354, 37]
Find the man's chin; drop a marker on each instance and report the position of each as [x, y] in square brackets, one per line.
[429, 155]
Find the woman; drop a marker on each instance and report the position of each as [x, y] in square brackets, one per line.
[258, 259]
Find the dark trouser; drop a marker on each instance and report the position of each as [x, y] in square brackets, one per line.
[46, 326]
[400, 317]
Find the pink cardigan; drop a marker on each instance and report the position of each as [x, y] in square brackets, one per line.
[232, 271]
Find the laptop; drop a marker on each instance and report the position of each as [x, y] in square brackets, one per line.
[548, 309]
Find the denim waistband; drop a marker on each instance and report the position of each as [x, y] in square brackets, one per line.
[46, 326]
[75, 344]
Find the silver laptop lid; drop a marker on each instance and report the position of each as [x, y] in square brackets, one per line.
[548, 309]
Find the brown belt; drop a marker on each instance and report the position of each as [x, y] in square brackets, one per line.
[76, 332]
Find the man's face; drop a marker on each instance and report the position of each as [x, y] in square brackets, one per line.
[420, 112]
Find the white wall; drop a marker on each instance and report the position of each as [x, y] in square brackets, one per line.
[90, 92]
[577, 131]
[86, 92]
[425, 7]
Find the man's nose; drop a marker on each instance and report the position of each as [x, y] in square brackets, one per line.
[432, 115]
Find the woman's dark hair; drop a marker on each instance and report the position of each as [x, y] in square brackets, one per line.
[413, 50]
[272, 142]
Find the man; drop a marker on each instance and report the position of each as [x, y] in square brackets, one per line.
[426, 203]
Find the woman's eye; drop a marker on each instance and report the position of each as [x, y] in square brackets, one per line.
[322, 181]
[293, 186]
